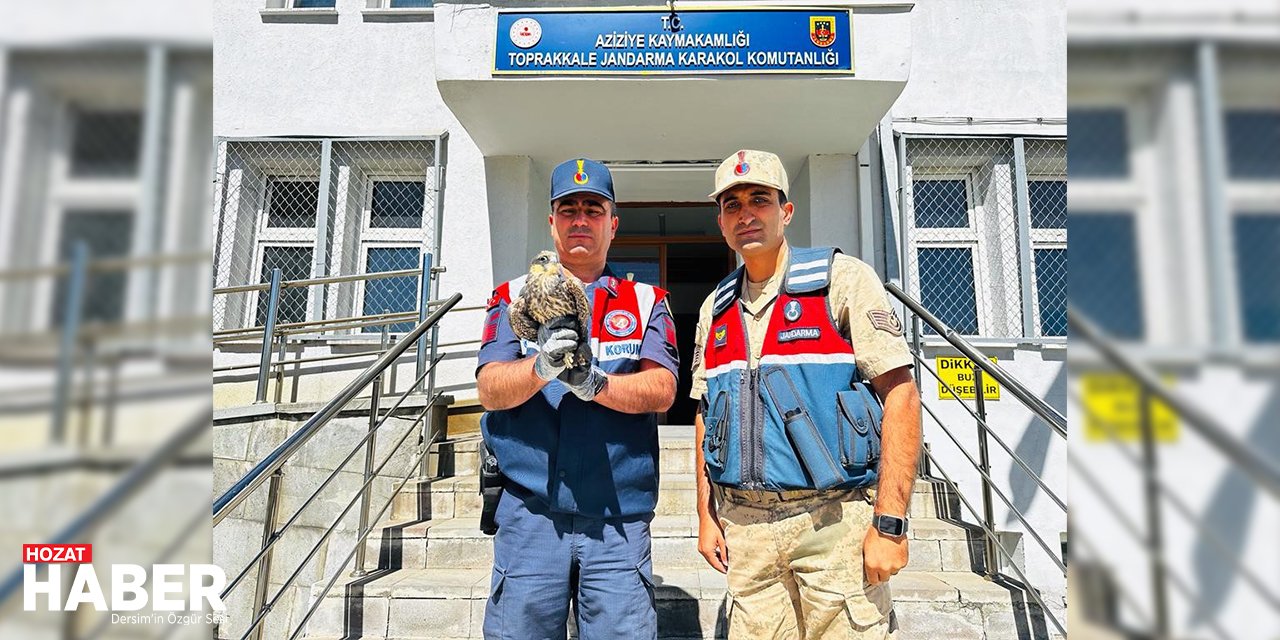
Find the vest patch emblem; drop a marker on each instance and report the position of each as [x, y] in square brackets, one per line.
[620, 323]
[792, 311]
[799, 333]
[722, 335]
[885, 320]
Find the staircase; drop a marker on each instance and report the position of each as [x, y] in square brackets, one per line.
[429, 565]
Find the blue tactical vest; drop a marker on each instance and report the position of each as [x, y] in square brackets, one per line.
[803, 419]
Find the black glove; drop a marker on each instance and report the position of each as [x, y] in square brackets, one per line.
[585, 380]
[556, 339]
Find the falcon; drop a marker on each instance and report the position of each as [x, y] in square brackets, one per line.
[550, 292]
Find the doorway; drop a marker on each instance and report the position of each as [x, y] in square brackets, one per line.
[676, 246]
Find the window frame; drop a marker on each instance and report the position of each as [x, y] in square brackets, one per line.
[1044, 238]
[370, 233]
[952, 237]
[259, 257]
[361, 286]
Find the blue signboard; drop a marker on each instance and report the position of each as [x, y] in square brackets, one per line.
[698, 41]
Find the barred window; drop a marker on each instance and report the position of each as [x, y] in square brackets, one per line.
[942, 204]
[948, 290]
[1098, 143]
[391, 295]
[1051, 290]
[396, 204]
[1102, 259]
[105, 143]
[323, 207]
[106, 234]
[1253, 144]
[1257, 235]
[291, 202]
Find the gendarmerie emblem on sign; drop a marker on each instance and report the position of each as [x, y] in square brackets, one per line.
[822, 30]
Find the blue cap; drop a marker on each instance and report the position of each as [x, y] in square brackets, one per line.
[581, 174]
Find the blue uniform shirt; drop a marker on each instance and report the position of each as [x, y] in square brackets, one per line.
[580, 457]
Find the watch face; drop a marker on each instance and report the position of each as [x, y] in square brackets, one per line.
[891, 525]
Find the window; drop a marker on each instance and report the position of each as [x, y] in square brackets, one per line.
[1253, 144]
[1256, 236]
[941, 204]
[294, 263]
[391, 295]
[314, 4]
[1097, 143]
[105, 144]
[1051, 290]
[397, 204]
[411, 4]
[1103, 267]
[291, 202]
[1048, 203]
[947, 289]
[107, 234]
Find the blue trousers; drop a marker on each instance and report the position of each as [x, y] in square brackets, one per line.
[542, 561]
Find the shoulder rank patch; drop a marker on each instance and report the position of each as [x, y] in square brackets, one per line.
[722, 335]
[885, 320]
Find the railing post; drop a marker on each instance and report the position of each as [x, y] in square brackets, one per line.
[284, 351]
[1151, 489]
[984, 460]
[71, 316]
[424, 296]
[264, 565]
[268, 336]
[370, 446]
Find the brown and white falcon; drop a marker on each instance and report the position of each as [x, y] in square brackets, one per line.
[550, 292]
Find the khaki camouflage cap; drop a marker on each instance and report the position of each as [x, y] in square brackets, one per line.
[750, 167]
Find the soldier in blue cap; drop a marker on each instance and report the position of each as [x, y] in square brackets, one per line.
[578, 446]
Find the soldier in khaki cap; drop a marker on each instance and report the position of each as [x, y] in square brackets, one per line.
[802, 501]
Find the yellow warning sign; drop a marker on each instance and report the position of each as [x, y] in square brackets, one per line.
[957, 371]
[1111, 409]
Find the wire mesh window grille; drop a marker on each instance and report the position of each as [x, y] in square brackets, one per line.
[1253, 144]
[1099, 142]
[1104, 272]
[967, 250]
[106, 234]
[1256, 236]
[317, 208]
[105, 144]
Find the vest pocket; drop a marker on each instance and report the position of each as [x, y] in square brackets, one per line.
[814, 454]
[717, 426]
[859, 429]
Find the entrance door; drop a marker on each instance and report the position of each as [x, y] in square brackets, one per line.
[677, 247]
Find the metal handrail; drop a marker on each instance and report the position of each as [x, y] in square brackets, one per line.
[126, 487]
[1008, 503]
[1215, 541]
[105, 264]
[238, 492]
[1008, 556]
[1265, 472]
[337, 469]
[307, 282]
[370, 477]
[991, 432]
[1051, 416]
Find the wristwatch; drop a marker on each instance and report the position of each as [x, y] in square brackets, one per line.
[891, 526]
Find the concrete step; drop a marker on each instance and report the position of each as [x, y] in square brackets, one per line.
[457, 543]
[459, 496]
[422, 604]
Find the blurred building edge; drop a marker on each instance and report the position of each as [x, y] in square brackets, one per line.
[1174, 167]
[105, 153]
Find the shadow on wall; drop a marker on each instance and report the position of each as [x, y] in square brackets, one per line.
[1235, 501]
[1033, 449]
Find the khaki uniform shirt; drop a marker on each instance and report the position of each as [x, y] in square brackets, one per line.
[858, 303]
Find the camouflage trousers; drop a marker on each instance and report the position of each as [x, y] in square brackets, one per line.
[795, 566]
